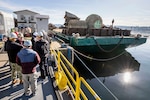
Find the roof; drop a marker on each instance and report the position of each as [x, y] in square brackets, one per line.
[70, 15]
[42, 16]
[26, 11]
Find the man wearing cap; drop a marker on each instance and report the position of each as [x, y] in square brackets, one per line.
[12, 48]
[45, 36]
[42, 47]
[28, 59]
[33, 39]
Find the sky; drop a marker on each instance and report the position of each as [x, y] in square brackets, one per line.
[124, 12]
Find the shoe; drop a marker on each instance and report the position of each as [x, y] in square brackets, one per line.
[21, 81]
[26, 94]
[14, 81]
[18, 81]
[33, 94]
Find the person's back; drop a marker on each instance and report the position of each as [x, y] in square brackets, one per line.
[28, 60]
[42, 47]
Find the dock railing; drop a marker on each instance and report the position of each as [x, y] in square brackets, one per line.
[67, 76]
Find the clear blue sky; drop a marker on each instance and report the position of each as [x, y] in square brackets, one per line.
[124, 12]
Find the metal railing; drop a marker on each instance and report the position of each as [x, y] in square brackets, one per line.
[67, 75]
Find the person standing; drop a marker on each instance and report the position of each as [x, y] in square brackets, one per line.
[20, 38]
[42, 47]
[45, 36]
[28, 59]
[33, 39]
[12, 48]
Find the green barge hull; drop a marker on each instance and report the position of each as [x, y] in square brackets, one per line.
[102, 44]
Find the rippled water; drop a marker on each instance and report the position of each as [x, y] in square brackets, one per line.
[127, 77]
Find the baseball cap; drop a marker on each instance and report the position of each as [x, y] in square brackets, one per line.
[27, 43]
[12, 35]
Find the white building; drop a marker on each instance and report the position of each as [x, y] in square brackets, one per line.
[6, 22]
[27, 18]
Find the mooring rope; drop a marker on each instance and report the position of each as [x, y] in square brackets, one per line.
[96, 77]
[96, 59]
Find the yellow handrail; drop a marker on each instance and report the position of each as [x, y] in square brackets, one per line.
[73, 82]
[89, 88]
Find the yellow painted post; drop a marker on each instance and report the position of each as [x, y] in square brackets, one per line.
[77, 96]
[58, 61]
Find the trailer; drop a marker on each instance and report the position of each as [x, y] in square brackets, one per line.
[6, 22]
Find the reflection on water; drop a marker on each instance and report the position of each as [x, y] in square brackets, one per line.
[123, 64]
[127, 77]
[113, 73]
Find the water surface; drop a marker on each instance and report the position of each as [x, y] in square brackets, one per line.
[127, 77]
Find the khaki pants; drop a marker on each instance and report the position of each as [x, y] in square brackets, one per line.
[15, 71]
[30, 79]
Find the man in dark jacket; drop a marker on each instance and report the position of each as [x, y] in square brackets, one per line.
[42, 47]
[28, 59]
[12, 48]
[33, 39]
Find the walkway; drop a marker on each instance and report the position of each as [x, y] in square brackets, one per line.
[15, 92]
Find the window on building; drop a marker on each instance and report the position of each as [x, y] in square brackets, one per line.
[22, 17]
[29, 18]
[32, 17]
